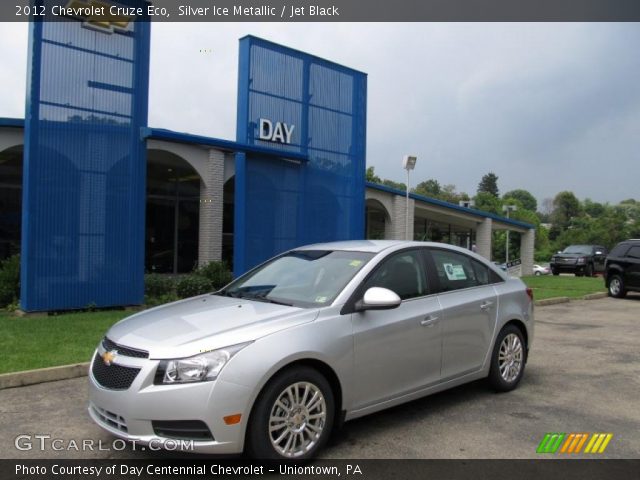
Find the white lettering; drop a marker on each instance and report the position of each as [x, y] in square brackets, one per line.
[281, 132]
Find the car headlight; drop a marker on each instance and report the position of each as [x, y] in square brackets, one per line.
[199, 368]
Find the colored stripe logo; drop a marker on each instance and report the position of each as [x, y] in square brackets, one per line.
[574, 443]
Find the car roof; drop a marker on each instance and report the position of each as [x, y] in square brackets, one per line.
[374, 246]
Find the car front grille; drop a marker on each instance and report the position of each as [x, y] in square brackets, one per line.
[110, 419]
[182, 430]
[113, 377]
[122, 350]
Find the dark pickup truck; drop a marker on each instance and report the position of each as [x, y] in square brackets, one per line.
[579, 259]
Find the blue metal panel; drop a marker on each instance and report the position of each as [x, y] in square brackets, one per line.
[285, 203]
[84, 168]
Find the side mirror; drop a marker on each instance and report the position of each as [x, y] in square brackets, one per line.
[377, 298]
[598, 252]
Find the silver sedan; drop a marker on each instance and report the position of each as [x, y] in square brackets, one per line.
[321, 334]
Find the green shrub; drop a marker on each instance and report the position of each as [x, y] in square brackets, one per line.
[150, 301]
[9, 280]
[217, 273]
[192, 285]
[156, 285]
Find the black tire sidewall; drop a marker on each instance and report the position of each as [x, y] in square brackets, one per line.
[495, 379]
[258, 444]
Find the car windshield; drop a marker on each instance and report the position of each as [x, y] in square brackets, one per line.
[580, 249]
[302, 278]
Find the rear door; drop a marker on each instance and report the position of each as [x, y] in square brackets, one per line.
[599, 256]
[469, 309]
[632, 269]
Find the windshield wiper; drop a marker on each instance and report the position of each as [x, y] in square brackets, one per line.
[261, 297]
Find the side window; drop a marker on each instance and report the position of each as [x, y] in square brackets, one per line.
[401, 273]
[481, 271]
[634, 252]
[619, 250]
[456, 271]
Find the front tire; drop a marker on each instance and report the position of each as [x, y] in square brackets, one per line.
[616, 287]
[292, 417]
[555, 272]
[507, 360]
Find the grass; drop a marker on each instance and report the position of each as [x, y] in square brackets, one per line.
[549, 286]
[48, 341]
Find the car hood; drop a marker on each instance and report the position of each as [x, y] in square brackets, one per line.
[204, 323]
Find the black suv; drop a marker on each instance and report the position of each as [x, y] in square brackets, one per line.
[622, 268]
[579, 259]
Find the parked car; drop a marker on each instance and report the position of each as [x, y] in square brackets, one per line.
[271, 363]
[540, 270]
[579, 259]
[622, 269]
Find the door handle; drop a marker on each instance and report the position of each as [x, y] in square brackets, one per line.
[486, 305]
[429, 321]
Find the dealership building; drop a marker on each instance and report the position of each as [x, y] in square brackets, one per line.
[92, 197]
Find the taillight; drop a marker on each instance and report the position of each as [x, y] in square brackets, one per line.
[530, 293]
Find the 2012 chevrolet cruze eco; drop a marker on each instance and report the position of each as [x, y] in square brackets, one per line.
[317, 335]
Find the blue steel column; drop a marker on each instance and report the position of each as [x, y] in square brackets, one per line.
[30, 141]
[242, 120]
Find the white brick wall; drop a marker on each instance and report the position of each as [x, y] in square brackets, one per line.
[483, 238]
[527, 246]
[211, 208]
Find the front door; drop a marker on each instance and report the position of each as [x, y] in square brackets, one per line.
[397, 351]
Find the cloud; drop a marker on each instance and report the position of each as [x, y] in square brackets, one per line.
[547, 107]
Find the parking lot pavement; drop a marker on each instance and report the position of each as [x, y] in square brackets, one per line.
[583, 375]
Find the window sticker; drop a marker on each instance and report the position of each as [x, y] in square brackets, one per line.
[454, 272]
[321, 299]
[355, 263]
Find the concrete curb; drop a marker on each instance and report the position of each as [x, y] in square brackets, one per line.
[595, 296]
[551, 301]
[41, 375]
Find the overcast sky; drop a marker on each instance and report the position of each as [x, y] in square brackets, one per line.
[547, 107]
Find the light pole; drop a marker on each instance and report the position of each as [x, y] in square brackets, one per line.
[508, 208]
[408, 163]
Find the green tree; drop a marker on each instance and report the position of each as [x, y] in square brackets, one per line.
[525, 198]
[487, 202]
[371, 176]
[489, 184]
[396, 185]
[566, 208]
[429, 188]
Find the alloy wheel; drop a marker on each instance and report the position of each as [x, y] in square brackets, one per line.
[297, 419]
[510, 357]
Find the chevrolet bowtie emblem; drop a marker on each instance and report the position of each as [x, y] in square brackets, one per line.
[97, 15]
[109, 357]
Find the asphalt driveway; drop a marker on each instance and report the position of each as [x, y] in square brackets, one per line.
[583, 375]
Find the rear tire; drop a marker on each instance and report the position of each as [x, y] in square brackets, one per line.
[508, 359]
[588, 271]
[293, 416]
[537, 274]
[616, 287]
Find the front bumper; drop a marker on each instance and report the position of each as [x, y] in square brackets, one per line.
[128, 414]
